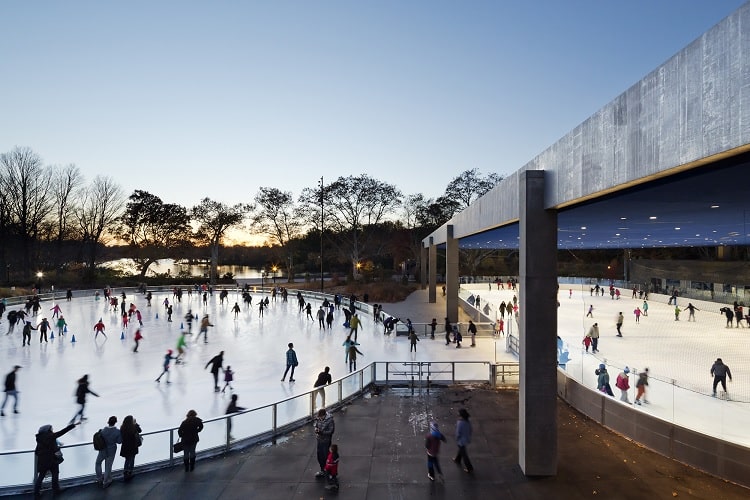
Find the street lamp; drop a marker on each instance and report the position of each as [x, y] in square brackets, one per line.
[274, 268]
[262, 279]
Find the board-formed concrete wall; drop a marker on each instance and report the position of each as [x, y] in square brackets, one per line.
[693, 108]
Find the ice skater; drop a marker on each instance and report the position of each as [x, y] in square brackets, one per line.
[56, 311]
[137, 337]
[216, 364]
[99, 328]
[720, 372]
[27, 332]
[43, 327]
[236, 310]
[205, 323]
[81, 391]
[228, 378]
[165, 366]
[10, 391]
[691, 311]
[61, 325]
[181, 345]
[291, 362]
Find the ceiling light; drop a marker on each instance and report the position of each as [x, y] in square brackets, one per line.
[714, 206]
[653, 217]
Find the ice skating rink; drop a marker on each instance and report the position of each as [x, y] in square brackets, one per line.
[254, 346]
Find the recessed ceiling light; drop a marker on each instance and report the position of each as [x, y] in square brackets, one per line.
[714, 206]
[617, 234]
[677, 229]
[623, 218]
[653, 217]
[583, 228]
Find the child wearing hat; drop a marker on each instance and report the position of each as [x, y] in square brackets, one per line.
[623, 383]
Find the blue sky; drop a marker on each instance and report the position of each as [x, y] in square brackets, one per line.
[193, 99]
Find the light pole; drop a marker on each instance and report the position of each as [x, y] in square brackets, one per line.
[321, 234]
[274, 268]
[262, 280]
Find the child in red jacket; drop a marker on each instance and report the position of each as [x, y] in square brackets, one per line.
[332, 467]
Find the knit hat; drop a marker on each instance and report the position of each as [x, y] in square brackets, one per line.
[626, 370]
[601, 366]
[45, 428]
[463, 413]
[433, 426]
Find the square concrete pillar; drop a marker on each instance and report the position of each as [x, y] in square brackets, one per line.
[451, 275]
[537, 405]
[423, 267]
[432, 292]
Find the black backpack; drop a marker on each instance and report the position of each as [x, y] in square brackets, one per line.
[99, 443]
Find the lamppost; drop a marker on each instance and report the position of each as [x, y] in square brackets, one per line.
[274, 268]
[321, 234]
[262, 279]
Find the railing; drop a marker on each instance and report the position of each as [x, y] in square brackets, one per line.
[248, 427]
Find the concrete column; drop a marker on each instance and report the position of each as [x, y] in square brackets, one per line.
[423, 267]
[432, 292]
[537, 405]
[451, 276]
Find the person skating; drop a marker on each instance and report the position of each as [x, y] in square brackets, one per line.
[602, 381]
[228, 378]
[353, 351]
[131, 441]
[720, 372]
[43, 327]
[623, 383]
[291, 362]
[236, 310]
[188, 432]
[473, 332]
[594, 334]
[189, 321]
[413, 339]
[205, 323]
[10, 390]
[46, 453]
[81, 391]
[640, 387]
[619, 321]
[99, 328]
[433, 326]
[232, 407]
[216, 363]
[112, 438]
[137, 337]
[432, 445]
[181, 346]
[324, 426]
[56, 311]
[691, 311]
[165, 367]
[354, 323]
[27, 333]
[463, 438]
[324, 378]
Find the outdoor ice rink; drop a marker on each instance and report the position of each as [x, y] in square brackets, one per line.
[678, 353]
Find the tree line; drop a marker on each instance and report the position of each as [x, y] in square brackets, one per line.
[52, 218]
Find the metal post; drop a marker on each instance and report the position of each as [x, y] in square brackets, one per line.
[274, 419]
[340, 391]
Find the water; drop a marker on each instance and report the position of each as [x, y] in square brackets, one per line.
[176, 268]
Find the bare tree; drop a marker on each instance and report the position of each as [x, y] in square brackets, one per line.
[214, 219]
[97, 214]
[65, 186]
[470, 185]
[352, 207]
[281, 219]
[26, 184]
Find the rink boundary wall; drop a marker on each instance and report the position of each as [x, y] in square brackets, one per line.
[715, 456]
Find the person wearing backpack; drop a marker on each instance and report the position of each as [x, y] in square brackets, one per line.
[112, 437]
[623, 383]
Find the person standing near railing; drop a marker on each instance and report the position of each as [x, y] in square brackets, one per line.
[188, 432]
[324, 378]
[232, 408]
[48, 457]
[324, 427]
[131, 441]
[112, 437]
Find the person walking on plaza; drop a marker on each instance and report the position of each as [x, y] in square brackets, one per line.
[432, 445]
[216, 363]
[291, 362]
[324, 378]
[640, 387]
[473, 332]
[130, 432]
[81, 391]
[463, 438]
[324, 426]
[691, 311]
[48, 457]
[720, 372]
[620, 319]
[10, 390]
[188, 432]
[623, 383]
[594, 334]
[413, 339]
[112, 437]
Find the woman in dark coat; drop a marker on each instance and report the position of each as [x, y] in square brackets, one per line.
[46, 447]
[131, 441]
[188, 432]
